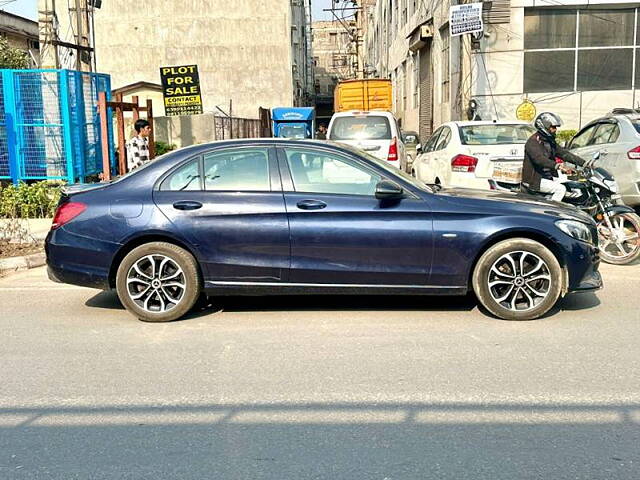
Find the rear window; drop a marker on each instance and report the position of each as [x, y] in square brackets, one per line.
[495, 134]
[636, 125]
[369, 127]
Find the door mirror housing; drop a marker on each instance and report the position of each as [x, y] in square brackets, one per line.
[388, 190]
[419, 148]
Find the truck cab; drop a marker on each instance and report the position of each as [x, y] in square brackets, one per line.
[293, 122]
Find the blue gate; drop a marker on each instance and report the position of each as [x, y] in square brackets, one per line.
[49, 125]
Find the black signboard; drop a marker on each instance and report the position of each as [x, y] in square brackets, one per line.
[181, 90]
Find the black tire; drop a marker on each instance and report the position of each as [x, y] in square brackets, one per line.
[631, 223]
[188, 277]
[517, 248]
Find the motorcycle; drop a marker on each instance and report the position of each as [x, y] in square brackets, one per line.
[593, 190]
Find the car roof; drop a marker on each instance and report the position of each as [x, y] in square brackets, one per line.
[351, 113]
[472, 123]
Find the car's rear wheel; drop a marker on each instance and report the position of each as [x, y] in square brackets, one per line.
[158, 282]
[518, 279]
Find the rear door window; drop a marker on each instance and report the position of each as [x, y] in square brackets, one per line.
[582, 138]
[605, 133]
[245, 169]
[443, 141]
[361, 127]
[187, 177]
[431, 144]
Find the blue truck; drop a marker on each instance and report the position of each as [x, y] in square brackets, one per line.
[293, 122]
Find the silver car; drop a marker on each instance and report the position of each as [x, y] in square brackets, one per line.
[617, 138]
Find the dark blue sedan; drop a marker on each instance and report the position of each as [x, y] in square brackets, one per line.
[260, 217]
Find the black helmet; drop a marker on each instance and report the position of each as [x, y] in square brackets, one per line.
[545, 121]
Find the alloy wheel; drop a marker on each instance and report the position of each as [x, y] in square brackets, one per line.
[519, 281]
[156, 283]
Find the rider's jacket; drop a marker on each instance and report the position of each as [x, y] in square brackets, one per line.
[540, 160]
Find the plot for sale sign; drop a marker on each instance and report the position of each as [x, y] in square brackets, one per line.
[465, 18]
[181, 90]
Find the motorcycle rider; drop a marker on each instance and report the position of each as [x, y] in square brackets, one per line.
[543, 157]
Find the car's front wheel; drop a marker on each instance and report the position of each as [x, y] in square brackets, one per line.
[158, 282]
[518, 279]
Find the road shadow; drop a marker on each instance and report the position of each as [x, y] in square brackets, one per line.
[109, 300]
[324, 440]
[333, 303]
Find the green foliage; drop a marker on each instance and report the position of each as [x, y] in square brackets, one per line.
[35, 200]
[11, 57]
[563, 136]
[163, 147]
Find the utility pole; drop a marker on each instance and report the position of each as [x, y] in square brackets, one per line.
[354, 36]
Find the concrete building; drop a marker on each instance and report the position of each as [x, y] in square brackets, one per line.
[252, 53]
[21, 33]
[333, 60]
[577, 58]
[408, 41]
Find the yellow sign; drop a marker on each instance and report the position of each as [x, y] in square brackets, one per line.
[526, 111]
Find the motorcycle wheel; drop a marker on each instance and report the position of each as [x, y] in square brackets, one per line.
[621, 245]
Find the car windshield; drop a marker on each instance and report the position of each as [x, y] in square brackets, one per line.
[361, 127]
[293, 131]
[394, 171]
[495, 134]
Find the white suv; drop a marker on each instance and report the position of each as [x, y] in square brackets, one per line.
[375, 132]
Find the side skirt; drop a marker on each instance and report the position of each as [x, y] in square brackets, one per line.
[276, 288]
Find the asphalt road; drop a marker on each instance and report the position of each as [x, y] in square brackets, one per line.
[318, 388]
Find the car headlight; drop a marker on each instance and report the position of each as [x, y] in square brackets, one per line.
[577, 230]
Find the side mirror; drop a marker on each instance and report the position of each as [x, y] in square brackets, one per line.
[419, 148]
[596, 156]
[388, 190]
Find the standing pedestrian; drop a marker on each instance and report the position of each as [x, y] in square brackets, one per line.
[321, 134]
[138, 146]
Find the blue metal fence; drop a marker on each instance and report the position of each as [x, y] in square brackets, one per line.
[49, 124]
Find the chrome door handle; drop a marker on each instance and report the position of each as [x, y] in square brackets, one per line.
[187, 205]
[311, 205]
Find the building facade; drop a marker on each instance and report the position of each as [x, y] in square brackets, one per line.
[577, 58]
[333, 60]
[21, 33]
[253, 54]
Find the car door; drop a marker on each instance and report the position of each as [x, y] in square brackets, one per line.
[229, 204]
[340, 233]
[442, 159]
[426, 167]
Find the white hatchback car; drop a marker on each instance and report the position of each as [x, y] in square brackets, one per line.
[375, 132]
[481, 155]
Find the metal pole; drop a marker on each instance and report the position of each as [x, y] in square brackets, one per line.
[104, 136]
[78, 35]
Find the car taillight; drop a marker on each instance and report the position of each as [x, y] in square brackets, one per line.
[67, 212]
[634, 154]
[393, 150]
[464, 163]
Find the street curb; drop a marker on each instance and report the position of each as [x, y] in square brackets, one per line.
[15, 264]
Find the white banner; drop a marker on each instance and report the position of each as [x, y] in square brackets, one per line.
[465, 18]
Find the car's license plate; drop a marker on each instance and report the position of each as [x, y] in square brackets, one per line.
[510, 172]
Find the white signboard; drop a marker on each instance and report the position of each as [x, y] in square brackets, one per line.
[465, 18]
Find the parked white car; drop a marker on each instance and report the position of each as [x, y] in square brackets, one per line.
[375, 132]
[479, 155]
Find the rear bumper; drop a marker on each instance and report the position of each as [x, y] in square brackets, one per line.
[79, 260]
